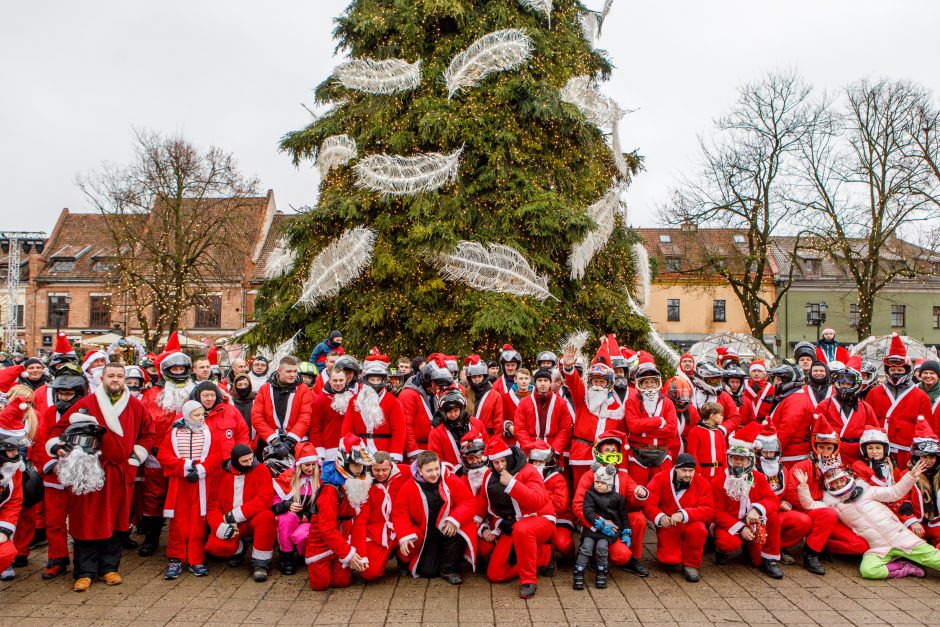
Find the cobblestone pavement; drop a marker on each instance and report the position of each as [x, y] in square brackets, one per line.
[735, 593]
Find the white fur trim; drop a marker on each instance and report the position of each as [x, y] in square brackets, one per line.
[237, 514]
[316, 558]
[141, 453]
[658, 518]
[736, 528]
[453, 521]
[201, 471]
[223, 528]
[112, 413]
[510, 485]
[502, 454]
[261, 555]
[49, 444]
[345, 561]
[306, 460]
[760, 508]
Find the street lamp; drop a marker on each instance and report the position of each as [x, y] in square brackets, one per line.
[816, 316]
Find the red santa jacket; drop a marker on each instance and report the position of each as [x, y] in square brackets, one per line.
[684, 422]
[659, 429]
[332, 532]
[759, 399]
[587, 426]
[559, 494]
[897, 414]
[39, 454]
[244, 496]
[176, 467]
[388, 436]
[376, 512]
[730, 411]
[442, 442]
[297, 421]
[623, 483]
[489, 410]
[418, 417]
[97, 515]
[709, 448]
[849, 424]
[814, 481]
[842, 354]
[730, 514]
[228, 428]
[410, 515]
[919, 498]
[326, 423]
[527, 494]
[793, 419]
[554, 427]
[695, 502]
[11, 504]
[161, 419]
[42, 399]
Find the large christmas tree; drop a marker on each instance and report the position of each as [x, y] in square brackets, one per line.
[471, 182]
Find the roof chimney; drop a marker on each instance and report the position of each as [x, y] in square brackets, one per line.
[688, 226]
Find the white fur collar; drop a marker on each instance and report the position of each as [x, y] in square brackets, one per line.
[112, 413]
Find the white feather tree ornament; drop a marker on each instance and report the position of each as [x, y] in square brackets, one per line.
[602, 212]
[335, 151]
[494, 268]
[576, 340]
[496, 52]
[389, 76]
[394, 175]
[582, 92]
[592, 21]
[642, 260]
[284, 349]
[280, 260]
[539, 6]
[338, 264]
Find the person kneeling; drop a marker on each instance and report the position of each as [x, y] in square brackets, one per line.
[607, 511]
[433, 520]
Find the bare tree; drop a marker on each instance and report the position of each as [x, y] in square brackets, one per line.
[747, 182]
[173, 216]
[871, 183]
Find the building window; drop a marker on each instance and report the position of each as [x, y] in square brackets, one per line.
[718, 311]
[62, 266]
[102, 266]
[738, 239]
[209, 312]
[809, 266]
[665, 239]
[672, 310]
[19, 316]
[853, 315]
[672, 264]
[898, 315]
[57, 309]
[99, 311]
[936, 317]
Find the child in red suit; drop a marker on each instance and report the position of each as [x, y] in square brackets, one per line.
[706, 442]
[11, 495]
[293, 502]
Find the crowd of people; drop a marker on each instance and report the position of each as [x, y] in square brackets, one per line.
[350, 467]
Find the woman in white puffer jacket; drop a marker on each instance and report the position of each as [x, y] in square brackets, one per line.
[862, 508]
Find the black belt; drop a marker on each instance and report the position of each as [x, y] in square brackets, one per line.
[345, 518]
[376, 436]
[851, 440]
[582, 440]
[711, 465]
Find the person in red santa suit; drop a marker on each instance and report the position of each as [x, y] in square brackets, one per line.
[680, 505]
[100, 487]
[679, 391]
[652, 426]
[62, 354]
[433, 520]
[824, 454]
[545, 460]
[374, 414]
[239, 509]
[336, 547]
[828, 350]
[707, 442]
[757, 391]
[733, 380]
[419, 402]
[622, 359]
[746, 512]
[791, 413]
[515, 512]
[686, 367]
[376, 513]
[18, 423]
[68, 387]
[845, 412]
[93, 367]
[223, 420]
[188, 455]
[453, 423]
[815, 526]
[596, 409]
[487, 403]
[707, 381]
[898, 402]
[327, 412]
[543, 416]
[609, 449]
[281, 413]
[11, 495]
[473, 468]
[509, 361]
[923, 497]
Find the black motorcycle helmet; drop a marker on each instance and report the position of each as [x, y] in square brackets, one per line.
[786, 377]
[85, 435]
[173, 360]
[67, 380]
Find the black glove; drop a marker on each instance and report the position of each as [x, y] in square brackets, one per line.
[282, 507]
[906, 509]
[505, 526]
[229, 532]
[193, 475]
[229, 518]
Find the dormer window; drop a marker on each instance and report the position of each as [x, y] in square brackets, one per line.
[739, 239]
[665, 239]
[62, 265]
[672, 264]
[102, 266]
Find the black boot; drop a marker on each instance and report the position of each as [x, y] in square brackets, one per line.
[527, 591]
[636, 567]
[287, 564]
[577, 577]
[722, 558]
[403, 568]
[549, 569]
[152, 527]
[771, 568]
[127, 543]
[811, 562]
[260, 570]
[691, 574]
[600, 579]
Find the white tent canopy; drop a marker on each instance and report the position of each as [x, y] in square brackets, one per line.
[874, 349]
[747, 347]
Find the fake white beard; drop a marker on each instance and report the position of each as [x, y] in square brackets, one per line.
[596, 400]
[7, 471]
[94, 378]
[341, 402]
[771, 467]
[367, 403]
[173, 396]
[81, 472]
[475, 477]
[357, 491]
[737, 488]
[650, 405]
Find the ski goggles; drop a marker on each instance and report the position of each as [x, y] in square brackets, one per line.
[614, 458]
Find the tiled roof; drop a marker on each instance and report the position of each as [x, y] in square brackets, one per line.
[688, 246]
[278, 224]
[73, 251]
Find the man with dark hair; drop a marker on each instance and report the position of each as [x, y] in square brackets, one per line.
[281, 412]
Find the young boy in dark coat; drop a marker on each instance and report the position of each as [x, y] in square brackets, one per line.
[606, 510]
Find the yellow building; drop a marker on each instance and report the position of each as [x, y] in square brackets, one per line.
[686, 304]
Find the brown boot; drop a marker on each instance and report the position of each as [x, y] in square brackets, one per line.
[82, 584]
[112, 579]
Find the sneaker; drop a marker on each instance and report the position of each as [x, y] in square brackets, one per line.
[907, 570]
[199, 570]
[636, 567]
[173, 570]
[527, 591]
[8, 575]
[452, 578]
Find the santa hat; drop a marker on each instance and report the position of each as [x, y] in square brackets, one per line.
[618, 437]
[508, 353]
[475, 366]
[172, 343]
[62, 345]
[213, 356]
[923, 432]
[757, 365]
[92, 357]
[822, 430]
[897, 349]
[471, 436]
[497, 448]
[13, 419]
[613, 348]
[767, 435]
[305, 453]
[540, 451]
[828, 330]
[645, 364]
[854, 363]
[627, 352]
[603, 353]
[375, 363]
[451, 362]
[726, 353]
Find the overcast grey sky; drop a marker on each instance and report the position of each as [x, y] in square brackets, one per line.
[76, 77]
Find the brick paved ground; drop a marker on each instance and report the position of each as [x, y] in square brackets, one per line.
[733, 594]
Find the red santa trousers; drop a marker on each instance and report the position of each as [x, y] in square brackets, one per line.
[530, 538]
[187, 535]
[378, 559]
[56, 504]
[816, 526]
[620, 553]
[7, 554]
[682, 544]
[328, 573]
[154, 492]
[932, 535]
[562, 542]
[25, 529]
[844, 541]
[727, 543]
[262, 527]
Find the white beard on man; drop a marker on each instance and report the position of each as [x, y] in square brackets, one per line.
[738, 488]
[173, 396]
[357, 491]
[475, 477]
[341, 401]
[597, 399]
[367, 403]
[80, 471]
